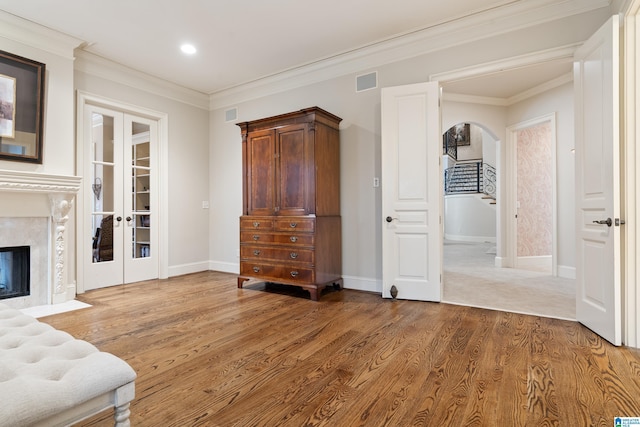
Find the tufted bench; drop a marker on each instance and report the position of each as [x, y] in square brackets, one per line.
[48, 378]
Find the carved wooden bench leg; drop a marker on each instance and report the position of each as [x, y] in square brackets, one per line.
[123, 397]
[121, 415]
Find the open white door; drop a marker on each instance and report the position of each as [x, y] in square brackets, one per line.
[598, 286]
[411, 192]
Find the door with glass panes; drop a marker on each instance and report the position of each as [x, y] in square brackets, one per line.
[120, 198]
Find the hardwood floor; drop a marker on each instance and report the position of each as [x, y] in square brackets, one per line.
[209, 354]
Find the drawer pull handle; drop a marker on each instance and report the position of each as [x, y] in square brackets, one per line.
[256, 269]
[293, 239]
[256, 237]
[294, 274]
[256, 252]
[293, 255]
[293, 224]
[256, 224]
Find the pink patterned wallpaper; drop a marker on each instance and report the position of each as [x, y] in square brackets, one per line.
[535, 191]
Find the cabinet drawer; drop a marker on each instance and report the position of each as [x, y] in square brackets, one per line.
[277, 273]
[256, 223]
[284, 255]
[295, 224]
[289, 239]
[247, 237]
[294, 239]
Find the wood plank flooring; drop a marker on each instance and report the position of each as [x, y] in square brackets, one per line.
[209, 354]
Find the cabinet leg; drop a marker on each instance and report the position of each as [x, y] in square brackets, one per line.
[241, 280]
[314, 294]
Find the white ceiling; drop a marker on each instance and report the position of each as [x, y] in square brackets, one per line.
[241, 41]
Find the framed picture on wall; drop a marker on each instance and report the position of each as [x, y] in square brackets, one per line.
[21, 108]
[460, 134]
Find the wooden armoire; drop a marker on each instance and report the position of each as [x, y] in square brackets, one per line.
[290, 229]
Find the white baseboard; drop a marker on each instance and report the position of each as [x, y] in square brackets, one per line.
[195, 267]
[544, 261]
[474, 239]
[362, 284]
[500, 262]
[566, 272]
[225, 267]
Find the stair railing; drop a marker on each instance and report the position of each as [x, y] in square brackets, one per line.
[474, 177]
[449, 146]
[489, 179]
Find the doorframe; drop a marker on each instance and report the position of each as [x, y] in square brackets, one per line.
[630, 181]
[511, 190]
[85, 98]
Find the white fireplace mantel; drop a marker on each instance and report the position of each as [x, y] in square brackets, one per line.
[61, 191]
[38, 182]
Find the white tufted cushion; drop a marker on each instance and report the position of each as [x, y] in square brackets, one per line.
[44, 371]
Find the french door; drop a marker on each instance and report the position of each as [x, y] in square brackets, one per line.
[120, 203]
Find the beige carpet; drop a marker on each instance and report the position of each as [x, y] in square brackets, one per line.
[470, 278]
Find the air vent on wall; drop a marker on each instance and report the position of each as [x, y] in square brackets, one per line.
[367, 81]
[231, 114]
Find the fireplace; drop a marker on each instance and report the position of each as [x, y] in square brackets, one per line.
[34, 213]
[15, 271]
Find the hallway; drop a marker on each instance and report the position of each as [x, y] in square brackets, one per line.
[471, 279]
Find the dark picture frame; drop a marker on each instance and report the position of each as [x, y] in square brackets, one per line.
[459, 134]
[21, 108]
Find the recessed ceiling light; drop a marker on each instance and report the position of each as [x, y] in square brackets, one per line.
[187, 48]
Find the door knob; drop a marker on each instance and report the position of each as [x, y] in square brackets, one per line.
[604, 221]
[128, 218]
[389, 219]
[119, 218]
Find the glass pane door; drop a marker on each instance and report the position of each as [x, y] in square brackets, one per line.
[141, 191]
[120, 201]
[102, 186]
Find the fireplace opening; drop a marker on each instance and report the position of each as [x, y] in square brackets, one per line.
[14, 271]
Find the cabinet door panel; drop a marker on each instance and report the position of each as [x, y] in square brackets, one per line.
[261, 173]
[293, 170]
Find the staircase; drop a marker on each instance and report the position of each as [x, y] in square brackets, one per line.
[474, 177]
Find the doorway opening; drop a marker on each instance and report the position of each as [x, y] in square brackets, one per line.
[473, 272]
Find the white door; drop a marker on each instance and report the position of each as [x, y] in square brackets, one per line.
[411, 192]
[598, 287]
[120, 165]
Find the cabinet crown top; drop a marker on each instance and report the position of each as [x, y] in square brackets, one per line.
[311, 114]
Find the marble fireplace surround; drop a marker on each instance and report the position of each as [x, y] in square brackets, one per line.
[56, 193]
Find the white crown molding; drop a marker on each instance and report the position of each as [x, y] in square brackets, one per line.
[548, 55]
[33, 182]
[556, 54]
[31, 34]
[473, 99]
[98, 66]
[551, 84]
[516, 15]
[505, 102]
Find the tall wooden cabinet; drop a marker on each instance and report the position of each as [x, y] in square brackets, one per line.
[290, 230]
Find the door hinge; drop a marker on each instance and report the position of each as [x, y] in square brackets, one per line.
[619, 222]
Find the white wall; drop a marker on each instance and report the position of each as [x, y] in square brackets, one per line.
[360, 138]
[469, 218]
